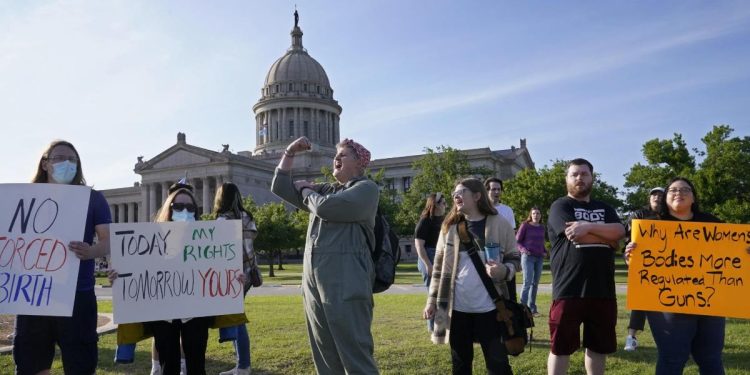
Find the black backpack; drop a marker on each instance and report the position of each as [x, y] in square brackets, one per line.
[385, 255]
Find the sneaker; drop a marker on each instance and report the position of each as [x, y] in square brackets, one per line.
[229, 372]
[630, 343]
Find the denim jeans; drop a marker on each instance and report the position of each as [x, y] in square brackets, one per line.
[242, 347]
[532, 271]
[678, 336]
[423, 270]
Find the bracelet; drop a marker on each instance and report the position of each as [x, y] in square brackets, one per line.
[288, 154]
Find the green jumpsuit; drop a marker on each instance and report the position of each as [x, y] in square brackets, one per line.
[338, 273]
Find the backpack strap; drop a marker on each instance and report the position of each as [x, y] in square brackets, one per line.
[469, 242]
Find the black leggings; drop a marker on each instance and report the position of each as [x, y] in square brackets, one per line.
[466, 328]
[194, 334]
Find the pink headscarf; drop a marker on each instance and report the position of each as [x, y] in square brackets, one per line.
[363, 155]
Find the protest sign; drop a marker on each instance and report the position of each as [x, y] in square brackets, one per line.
[176, 270]
[38, 274]
[690, 267]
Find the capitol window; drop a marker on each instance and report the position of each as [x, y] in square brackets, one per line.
[291, 87]
[304, 87]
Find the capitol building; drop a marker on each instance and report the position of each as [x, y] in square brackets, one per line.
[296, 99]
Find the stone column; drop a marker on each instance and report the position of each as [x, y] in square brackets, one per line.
[143, 212]
[152, 201]
[206, 196]
[297, 123]
[121, 213]
[113, 212]
[283, 125]
[132, 206]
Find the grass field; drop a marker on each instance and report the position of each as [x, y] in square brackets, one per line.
[406, 273]
[402, 346]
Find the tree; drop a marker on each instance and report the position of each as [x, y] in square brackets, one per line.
[540, 188]
[664, 159]
[276, 231]
[722, 179]
[438, 171]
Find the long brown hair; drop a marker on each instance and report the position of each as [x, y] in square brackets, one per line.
[483, 205]
[430, 205]
[42, 176]
[229, 200]
[165, 212]
[528, 218]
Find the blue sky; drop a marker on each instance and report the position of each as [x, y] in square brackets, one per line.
[577, 79]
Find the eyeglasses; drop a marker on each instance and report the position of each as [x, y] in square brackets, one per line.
[61, 158]
[682, 190]
[183, 206]
[458, 193]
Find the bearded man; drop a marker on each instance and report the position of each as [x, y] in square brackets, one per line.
[584, 234]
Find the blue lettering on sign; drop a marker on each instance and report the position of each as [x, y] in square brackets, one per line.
[34, 290]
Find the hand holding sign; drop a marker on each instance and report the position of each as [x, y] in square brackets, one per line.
[174, 270]
[37, 222]
[689, 267]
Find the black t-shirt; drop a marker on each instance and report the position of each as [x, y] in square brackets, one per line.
[703, 217]
[428, 229]
[586, 270]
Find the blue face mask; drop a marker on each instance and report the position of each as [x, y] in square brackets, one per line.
[64, 172]
[183, 215]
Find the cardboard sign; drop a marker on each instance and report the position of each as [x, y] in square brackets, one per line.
[38, 274]
[176, 270]
[690, 267]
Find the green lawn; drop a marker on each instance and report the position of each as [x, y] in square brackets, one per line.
[402, 346]
[406, 273]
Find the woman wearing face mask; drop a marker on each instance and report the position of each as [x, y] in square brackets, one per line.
[228, 206]
[191, 334]
[458, 300]
[36, 336]
[426, 236]
[338, 273]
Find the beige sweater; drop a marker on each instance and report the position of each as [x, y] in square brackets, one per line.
[442, 285]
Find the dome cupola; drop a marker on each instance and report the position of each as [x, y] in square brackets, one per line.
[296, 100]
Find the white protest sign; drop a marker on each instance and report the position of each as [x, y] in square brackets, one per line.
[176, 270]
[38, 275]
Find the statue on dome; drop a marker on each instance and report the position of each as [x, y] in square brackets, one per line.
[296, 18]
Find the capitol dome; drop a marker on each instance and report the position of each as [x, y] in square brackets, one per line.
[296, 100]
[296, 73]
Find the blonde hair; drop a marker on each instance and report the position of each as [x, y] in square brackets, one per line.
[165, 212]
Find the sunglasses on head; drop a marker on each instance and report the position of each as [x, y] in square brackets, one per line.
[183, 206]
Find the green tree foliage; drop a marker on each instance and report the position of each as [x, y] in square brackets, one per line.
[664, 159]
[722, 178]
[437, 171]
[540, 187]
[278, 230]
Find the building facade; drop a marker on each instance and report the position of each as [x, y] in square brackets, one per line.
[296, 100]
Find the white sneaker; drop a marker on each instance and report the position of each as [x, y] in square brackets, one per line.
[229, 372]
[630, 343]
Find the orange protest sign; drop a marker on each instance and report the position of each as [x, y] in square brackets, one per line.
[690, 267]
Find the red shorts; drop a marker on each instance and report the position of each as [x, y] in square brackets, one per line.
[599, 317]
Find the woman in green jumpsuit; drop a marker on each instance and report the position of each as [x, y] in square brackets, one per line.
[338, 273]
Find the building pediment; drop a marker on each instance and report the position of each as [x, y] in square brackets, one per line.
[180, 155]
